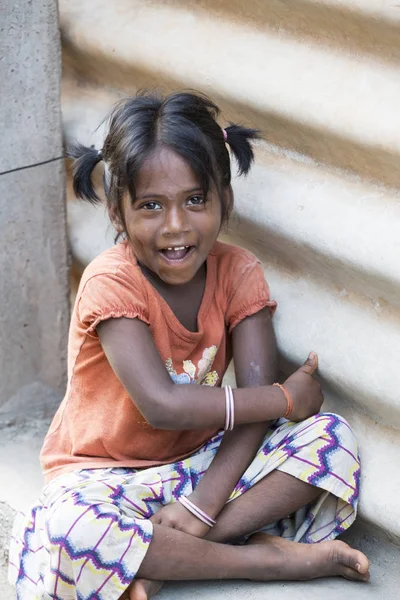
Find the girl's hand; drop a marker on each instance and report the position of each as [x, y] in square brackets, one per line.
[305, 390]
[176, 516]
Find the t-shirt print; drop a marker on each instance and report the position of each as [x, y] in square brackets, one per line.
[201, 375]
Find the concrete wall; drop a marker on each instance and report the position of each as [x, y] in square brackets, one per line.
[34, 311]
[320, 78]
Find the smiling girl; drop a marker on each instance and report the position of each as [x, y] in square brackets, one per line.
[150, 465]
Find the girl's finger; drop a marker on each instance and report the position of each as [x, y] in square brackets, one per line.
[311, 364]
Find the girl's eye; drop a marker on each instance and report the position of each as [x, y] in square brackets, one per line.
[195, 201]
[151, 206]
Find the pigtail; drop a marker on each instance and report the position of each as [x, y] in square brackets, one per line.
[85, 160]
[238, 138]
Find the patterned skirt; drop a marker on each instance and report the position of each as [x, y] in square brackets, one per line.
[87, 535]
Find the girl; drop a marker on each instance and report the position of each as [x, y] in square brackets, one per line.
[150, 466]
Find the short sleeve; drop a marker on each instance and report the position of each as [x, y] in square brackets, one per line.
[110, 296]
[249, 293]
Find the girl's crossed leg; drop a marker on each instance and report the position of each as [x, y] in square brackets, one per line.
[273, 498]
[263, 557]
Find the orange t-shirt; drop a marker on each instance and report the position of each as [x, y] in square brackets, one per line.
[97, 423]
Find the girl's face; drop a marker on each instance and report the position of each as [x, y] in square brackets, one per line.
[171, 225]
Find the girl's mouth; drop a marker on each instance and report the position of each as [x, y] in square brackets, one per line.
[176, 254]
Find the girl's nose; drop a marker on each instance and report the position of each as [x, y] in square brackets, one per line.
[175, 222]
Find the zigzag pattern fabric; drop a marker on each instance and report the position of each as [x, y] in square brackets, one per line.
[89, 532]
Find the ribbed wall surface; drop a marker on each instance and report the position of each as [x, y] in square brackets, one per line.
[320, 208]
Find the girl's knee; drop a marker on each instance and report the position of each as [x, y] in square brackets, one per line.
[337, 427]
[67, 517]
[334, 418]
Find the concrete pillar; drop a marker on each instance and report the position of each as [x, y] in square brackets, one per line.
[34, 310]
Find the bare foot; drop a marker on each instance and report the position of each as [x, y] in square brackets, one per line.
[293, 561]
[143, 589]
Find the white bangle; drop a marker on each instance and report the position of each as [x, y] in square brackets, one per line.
[232, 409]
[196, 511]
[229, 408]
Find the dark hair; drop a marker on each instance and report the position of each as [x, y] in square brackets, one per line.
[183, 121]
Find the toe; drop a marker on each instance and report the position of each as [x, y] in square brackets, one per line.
[362, 565]
[349, 557]
[137, 591]
[353, 575]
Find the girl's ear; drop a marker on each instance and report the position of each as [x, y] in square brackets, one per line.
[115, 219]
[228, 200]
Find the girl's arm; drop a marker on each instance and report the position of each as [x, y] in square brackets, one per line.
[255, 359]
[130, 349]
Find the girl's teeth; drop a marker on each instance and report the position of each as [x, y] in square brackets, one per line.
[176, 252]
[178, 248]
